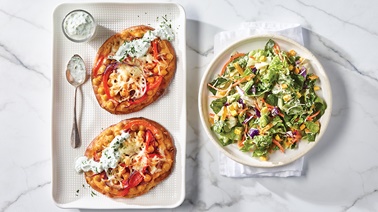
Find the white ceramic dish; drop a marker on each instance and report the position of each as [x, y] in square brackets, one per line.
[246, 45]
[69, 189]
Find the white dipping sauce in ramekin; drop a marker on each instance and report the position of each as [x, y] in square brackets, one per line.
[79, 26]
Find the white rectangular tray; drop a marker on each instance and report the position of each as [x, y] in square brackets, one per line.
[69, 189]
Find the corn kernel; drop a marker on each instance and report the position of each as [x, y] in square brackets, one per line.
[233, 112]
[221, 93]
[278, 138]
[291, 67]
[263, 158]
[316, 88]
[216, 117]
[286, 97]
[298, 94]
[302, 127]
[264, 110]
[238, 68]
[224, 114]
[262, 58]
[296, 70]
[237, 131]
[211, 120]
[313, 77]
[283, 86]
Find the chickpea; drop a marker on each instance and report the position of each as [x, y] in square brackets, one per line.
[158, 136]
[147, 178]
[141, 133]
[110, 105]
[134, 127]
[163, 72]
[150, 149]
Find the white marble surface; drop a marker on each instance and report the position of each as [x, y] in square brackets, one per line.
[341, 172]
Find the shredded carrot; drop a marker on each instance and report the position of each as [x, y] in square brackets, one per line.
[277, 50]
[279, 145]
[239, 81]
[210, 85]
[312, 116]
[243, 79]
[268, 105]
[233, 57]
[241, 142]
[297, 137]
[243, 110]
[257, 106]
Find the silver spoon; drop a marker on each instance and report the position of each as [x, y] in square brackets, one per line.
[76, 75]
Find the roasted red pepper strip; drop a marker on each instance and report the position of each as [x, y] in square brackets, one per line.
[98, 65]
[137, 101]
[135, 179]
[155, 49]
[145, 123]
[105, 79]
[149, 87]
[155, 84]
[149, 138]
[152, 155]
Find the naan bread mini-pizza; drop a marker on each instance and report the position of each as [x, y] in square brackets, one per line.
[133, 68]
[129, 158]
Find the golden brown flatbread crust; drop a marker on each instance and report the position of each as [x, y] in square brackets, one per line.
[158, 74]
[137, 171]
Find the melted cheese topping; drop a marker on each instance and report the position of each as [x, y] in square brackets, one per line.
[129, 82]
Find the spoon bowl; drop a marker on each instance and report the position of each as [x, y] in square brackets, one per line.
[76, 75]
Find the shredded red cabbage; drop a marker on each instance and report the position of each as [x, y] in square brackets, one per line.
[253, 132]
[275, 111]
[257, 112]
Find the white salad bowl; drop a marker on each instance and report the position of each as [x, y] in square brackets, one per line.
[258, 42]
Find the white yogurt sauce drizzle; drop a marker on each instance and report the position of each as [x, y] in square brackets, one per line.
[139, 47]
[109, 159]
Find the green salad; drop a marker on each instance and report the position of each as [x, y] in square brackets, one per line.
[265, 100]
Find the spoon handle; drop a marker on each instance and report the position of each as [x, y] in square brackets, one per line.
[75, 138]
